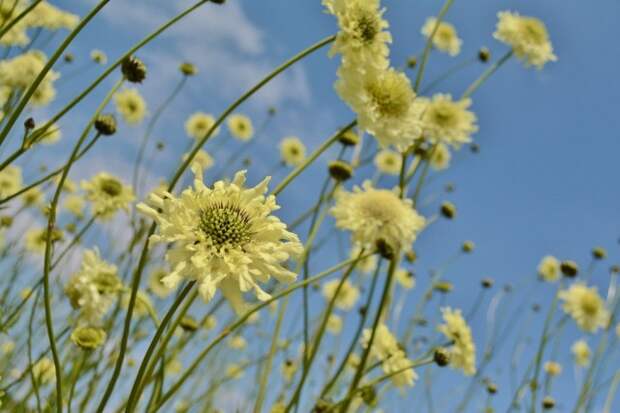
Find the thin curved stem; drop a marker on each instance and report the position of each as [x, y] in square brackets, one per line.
[5, 29]
[486, 74]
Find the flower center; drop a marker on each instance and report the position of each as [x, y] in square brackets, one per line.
[111, 187]
[443, 115]
[391, 95]
[366, 26]
[589, 304]
[226, 224]
[381, 205]
[534, 32]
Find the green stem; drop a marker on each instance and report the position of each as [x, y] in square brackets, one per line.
[486, 74]
[9, 26]
[48, 245]
[239, 322]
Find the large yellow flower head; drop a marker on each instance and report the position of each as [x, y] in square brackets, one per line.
[446, 39]
[94, 288]
[447, 121]
[18, 73]
[527, 36]
[581, 352]
[463, 349]
[224, 237]
[385, 348]
[586, 307]
[107, 194]
[198, 124]
[374, 215]
[362, 39]
[347, 296]
[240, 127]
[383, 100]
[130, 105]
[549, 269]
[292, 151]
[49, 17]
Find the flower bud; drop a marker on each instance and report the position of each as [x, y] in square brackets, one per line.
[188, 324]
[599, 253]
[441, 357]
[29, 124]
[411, 256]
[349, 138]
[548, 403]
[188, 69]
[369, 396]
[448, 210]
[484, 54]
[569, 268]
[412, 62]
[133, 69]
[468, 246]
[88, 338]
[487, 282]
[340, 170]
[106, 124]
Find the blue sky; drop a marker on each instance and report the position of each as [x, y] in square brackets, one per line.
[544, 182]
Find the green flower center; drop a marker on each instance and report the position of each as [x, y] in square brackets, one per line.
[443, 115]
[589, 304]
[111, 187]
[226, 224]
[391, 95]
[534, 31]
[367, 26]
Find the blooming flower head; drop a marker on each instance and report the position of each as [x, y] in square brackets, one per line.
[223, 236]
[130, 105]
[586, 306]
[10, 180]
[383, 100]
[374, 215]
[463, 349]
[404, 278]
[93, 289]
[292, 151]
[18, 73]
[36, 239]
[440, 158]
[362, 39]
[107, 194]
[447, 121]
[98, 57]
[44, 370]
[240, 127]
[198, 124]
[549, 269]
[446, 39]
[347, 296]
[581, 352]
[388, 162]
[527, 36]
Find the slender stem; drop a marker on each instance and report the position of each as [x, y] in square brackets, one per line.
[48, 66]
[239, 322]
[486, 74]
[134, 395]
[48, 245]
[448, 73]
[17, 19]
[429, 44]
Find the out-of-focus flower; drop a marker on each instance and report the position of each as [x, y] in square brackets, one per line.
[463, 350]
[240, 127]
[549, 269]
[347, 296]
[388, 162]
[198, 124]
[585, 306]
[107, 194]
[292, 151]
[527, 36]
[582, 353]
[131, 105]
[447, 121]
[446, 39]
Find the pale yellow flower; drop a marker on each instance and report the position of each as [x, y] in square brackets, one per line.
[440, 158]
[98, 57]
[33, 196]
[202, 159]
[404, 278]
[549, 269]
[131, 105]
[463, 350]
[156, 286]
[292, 151]
[582, 353]
[334, 324]
[347, 296]
[377, 215]
[107, 194]
[44, 370]
[240, 127]
[447, 121]
[527, 36]
[388, 162]
[75, 204]
[384, 103]
[585, 306]
[363, 37]
[365, 265]
[210, 322]
[237, 343]
[553, 368]
[8, 346]
[36, 239]
[234, 371]
[94, 288]
[10, 180]
[446, 39]
[198, 124]
[223, 237]
[51, 136]
[18, 73]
